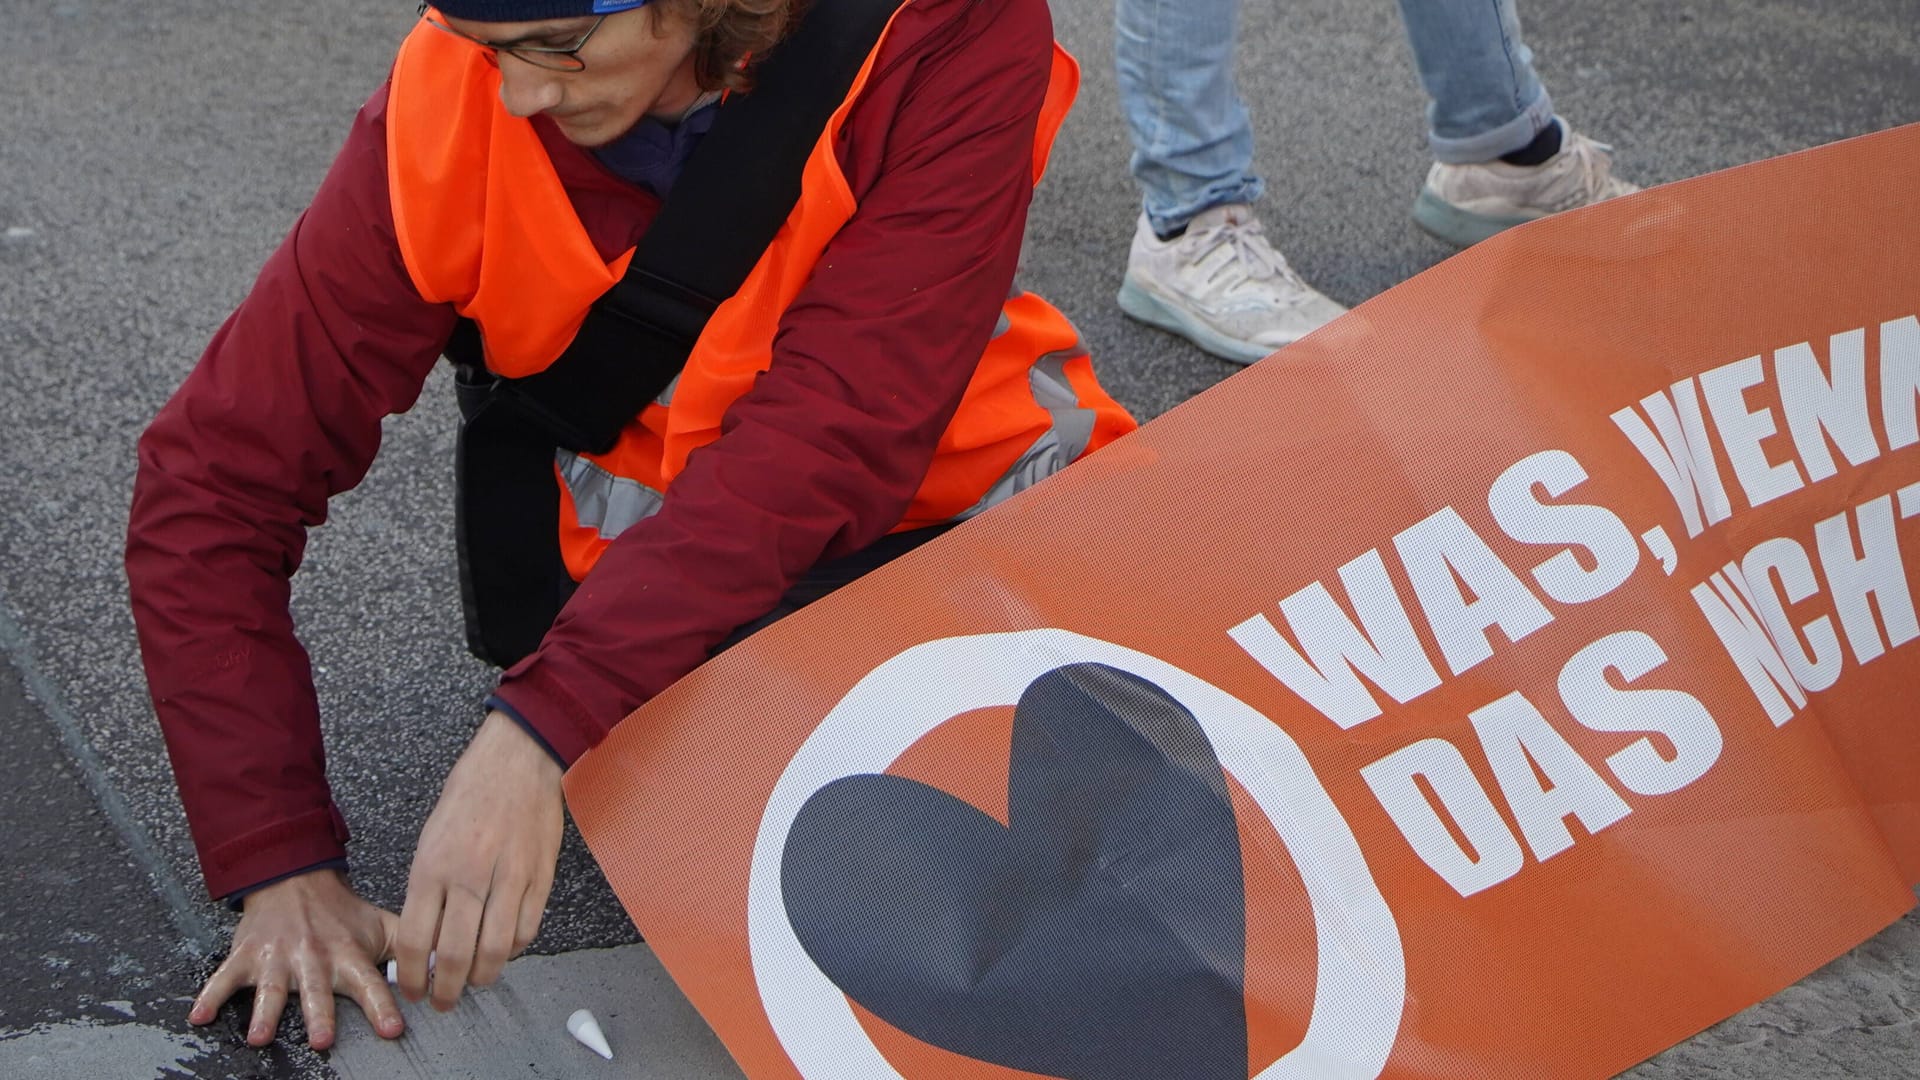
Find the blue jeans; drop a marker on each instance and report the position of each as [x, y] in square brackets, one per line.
[1193, 143]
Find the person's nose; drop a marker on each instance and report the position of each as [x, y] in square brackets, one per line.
[527, 89]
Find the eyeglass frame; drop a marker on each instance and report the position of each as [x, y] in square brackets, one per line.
[542, 56]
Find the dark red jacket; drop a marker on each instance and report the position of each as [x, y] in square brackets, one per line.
[820, 459]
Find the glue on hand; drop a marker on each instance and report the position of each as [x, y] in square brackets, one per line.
[393, 970]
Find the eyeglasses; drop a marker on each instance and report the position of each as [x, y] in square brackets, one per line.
[551, 57]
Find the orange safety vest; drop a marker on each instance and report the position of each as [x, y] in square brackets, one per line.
[484, 224]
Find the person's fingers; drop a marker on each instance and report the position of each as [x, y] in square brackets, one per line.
[231, 975]
[414, 934]
[498, 925]
[453, 949]
[269, 1000]
[542, 886]
[533, 906]
[389, 938]
[368, 988]
[316, 1001]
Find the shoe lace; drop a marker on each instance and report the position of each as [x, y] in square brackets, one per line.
[1251, 258]
[1594, 159]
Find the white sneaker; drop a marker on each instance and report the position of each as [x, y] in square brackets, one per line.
[1465, 204]
[1221, 286]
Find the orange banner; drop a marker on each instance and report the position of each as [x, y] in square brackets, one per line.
[1510, 680]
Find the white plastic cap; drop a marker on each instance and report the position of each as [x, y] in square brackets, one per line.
[581, 1025]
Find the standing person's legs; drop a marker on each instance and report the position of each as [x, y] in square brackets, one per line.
[1199, 265]
[1192, 140]
[1485, 98]
[1501, 156]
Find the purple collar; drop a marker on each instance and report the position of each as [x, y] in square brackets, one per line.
[653, 153]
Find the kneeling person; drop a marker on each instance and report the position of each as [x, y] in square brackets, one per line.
[729, 294]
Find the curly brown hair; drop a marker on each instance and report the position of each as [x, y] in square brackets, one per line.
[732, 32]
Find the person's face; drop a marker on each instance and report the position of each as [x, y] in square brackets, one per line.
[638, 61]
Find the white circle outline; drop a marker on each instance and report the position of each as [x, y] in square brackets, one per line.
[1360, 996]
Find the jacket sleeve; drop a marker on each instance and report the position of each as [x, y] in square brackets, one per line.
[282, 412]
[824, 454]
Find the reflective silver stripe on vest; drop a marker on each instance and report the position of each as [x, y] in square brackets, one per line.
[604, 502]
[610, 504]
[1056, 447]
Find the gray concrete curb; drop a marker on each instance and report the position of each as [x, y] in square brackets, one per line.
[517, 1028]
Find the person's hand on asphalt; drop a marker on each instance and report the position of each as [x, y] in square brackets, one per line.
[312, 935]
[484, 866]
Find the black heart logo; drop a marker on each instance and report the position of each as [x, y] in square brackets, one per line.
[1100, 935]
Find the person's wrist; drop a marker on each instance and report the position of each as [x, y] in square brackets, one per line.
[524, 749]
[496, 703]
[320, 877]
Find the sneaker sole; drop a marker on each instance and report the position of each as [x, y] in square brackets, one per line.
[1444, 221]
[1150, 309]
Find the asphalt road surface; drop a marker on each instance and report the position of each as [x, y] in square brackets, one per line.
[151, 155]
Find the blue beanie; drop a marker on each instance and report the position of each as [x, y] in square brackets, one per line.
[530, 10]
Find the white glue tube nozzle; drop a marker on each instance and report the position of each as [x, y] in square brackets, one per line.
[393, 969]
[581, 1025]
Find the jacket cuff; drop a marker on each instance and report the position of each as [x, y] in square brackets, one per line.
[555, 717]
[275, 850]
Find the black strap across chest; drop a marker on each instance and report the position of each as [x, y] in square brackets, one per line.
[724, 210]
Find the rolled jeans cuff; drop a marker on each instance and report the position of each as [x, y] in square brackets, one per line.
[1505, 139]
